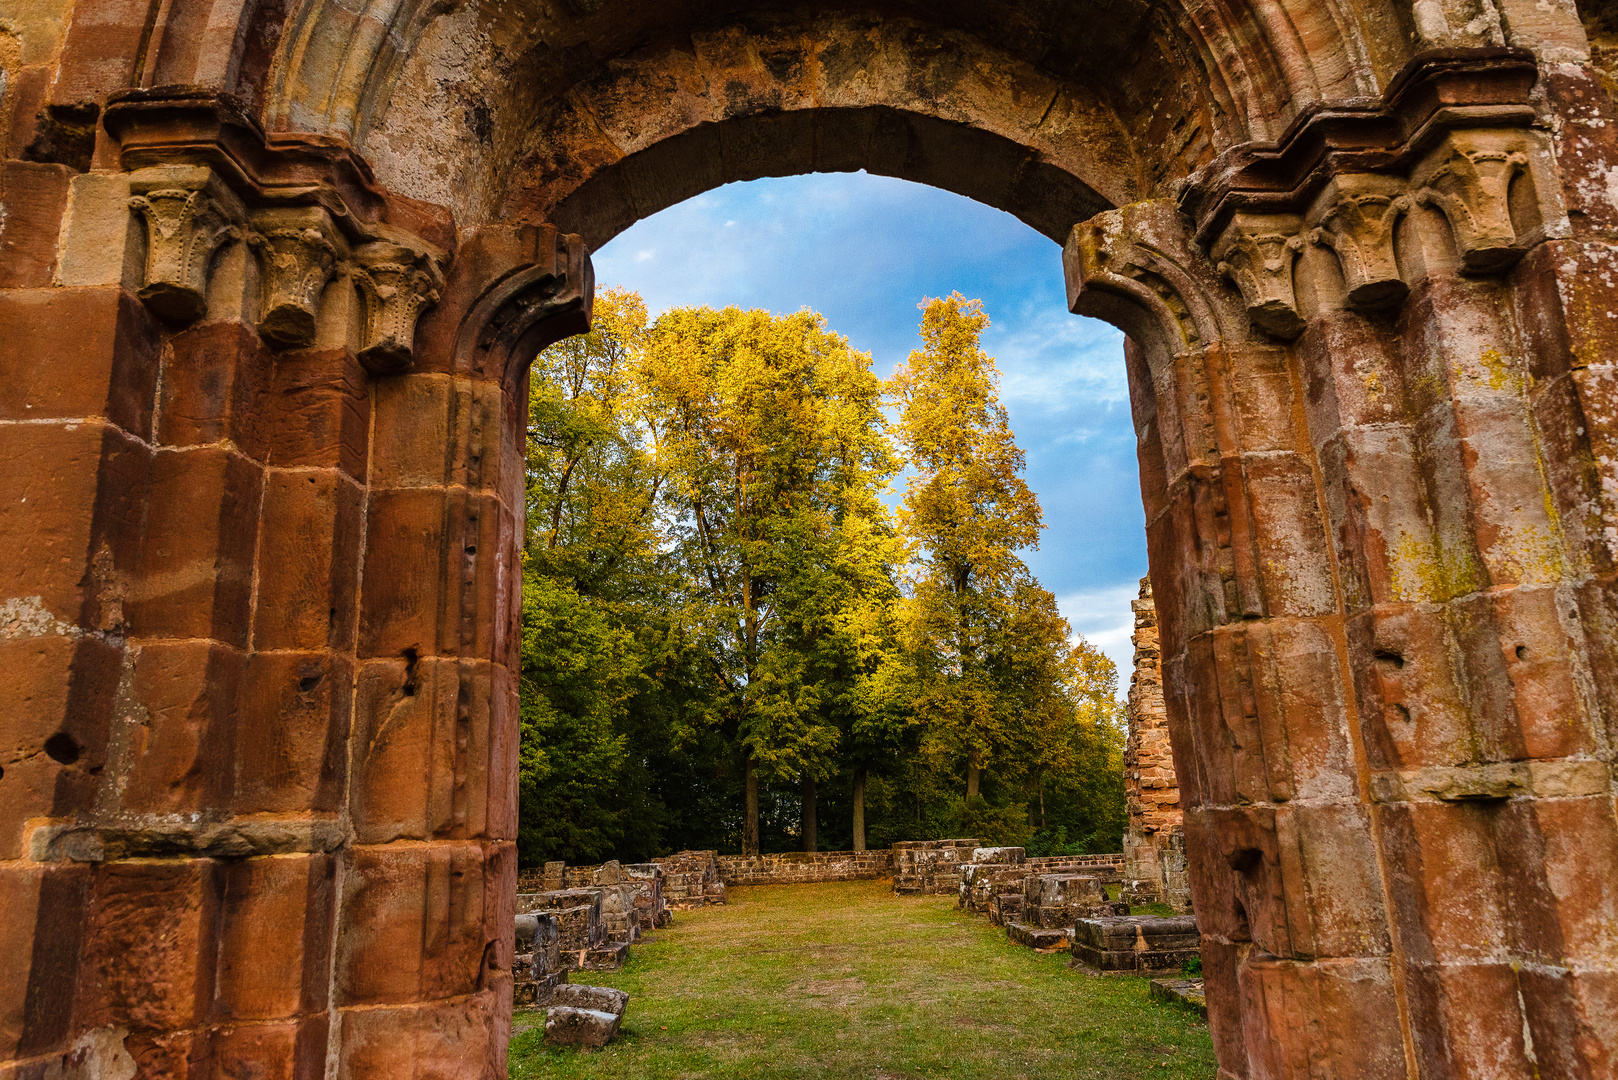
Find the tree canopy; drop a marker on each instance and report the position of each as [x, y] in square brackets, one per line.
[727, 628]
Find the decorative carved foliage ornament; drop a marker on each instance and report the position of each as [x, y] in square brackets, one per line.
[1357, 217]
[1469, 179]
[189, 216]
[298, 250]
[1133, 267]
[1258, 253]
[205, 173]
[396, 284]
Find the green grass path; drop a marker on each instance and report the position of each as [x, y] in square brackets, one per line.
[847, 980]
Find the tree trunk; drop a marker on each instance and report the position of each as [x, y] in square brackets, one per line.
[810, 824]
[974, 772]
[1042, 804]
[750, 824]
[859, 809]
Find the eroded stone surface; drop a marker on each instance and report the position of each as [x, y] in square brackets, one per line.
[1154, 838]
[262, 665]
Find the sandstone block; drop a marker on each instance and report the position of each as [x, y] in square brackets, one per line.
[78, 354]
[149, 956]
[1135, 942]
[1185, 992]
[275, 937]
[197, 548]
[36, 196]
[311, 535]
[215, 383]
[599, 998]
[183, 761]
[319, 413]
[75, 498]
[292, 741]
[586, 1029]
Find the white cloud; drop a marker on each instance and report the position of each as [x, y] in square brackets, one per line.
[645, 254]
[1054, 361]
[1107, 621]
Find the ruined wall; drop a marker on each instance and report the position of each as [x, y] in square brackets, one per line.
[1154, 840]
[803, 867]
[262, 391]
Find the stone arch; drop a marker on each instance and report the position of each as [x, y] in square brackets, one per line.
[1361, 256]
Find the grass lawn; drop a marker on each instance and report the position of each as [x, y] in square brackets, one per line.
[846, 980]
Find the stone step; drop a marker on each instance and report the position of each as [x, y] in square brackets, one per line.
[609, 956]
[1184, 992]
[1039, 937]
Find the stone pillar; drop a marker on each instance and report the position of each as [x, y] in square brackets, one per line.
[267, 529]
[1154, 841]
[1375, 464]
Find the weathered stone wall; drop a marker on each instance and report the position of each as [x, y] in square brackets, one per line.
[1106, 867]
[785, 868]
[927, 867]
[691, 879]
[801, 867]
[1154, 840]
[271, 275]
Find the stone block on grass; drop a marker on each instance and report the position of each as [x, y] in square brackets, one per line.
[599, 998]
[1187, 993]
[586, 1029]
[1136, 942]
[1039, 937]
[609, 956]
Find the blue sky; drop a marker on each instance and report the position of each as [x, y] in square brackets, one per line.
[863, 251]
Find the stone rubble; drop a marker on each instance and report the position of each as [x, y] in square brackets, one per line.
[586, 1017]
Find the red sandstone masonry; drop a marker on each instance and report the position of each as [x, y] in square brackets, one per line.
[1365, 264]
[802, 867]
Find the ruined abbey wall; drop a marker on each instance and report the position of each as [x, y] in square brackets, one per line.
[271, 274]
[1154, 838]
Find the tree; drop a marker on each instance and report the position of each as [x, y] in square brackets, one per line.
[720, 613]
[775, 452]
[590, 559]
[968, 511]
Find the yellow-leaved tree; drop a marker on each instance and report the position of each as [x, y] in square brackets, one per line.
[968, 511]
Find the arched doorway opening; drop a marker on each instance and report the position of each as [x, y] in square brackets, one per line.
[1351, 246]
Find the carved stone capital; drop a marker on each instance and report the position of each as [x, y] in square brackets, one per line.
[298, 250]
[1469, 179]
[396, 284]
[1356, 216]
[189, 215]
[1134, 267]
[1258, 253]
[511, 291]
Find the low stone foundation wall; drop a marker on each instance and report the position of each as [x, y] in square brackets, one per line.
[1107, 868]
[928, 867]
[691, 879]
[695, 878]
[803, 867]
